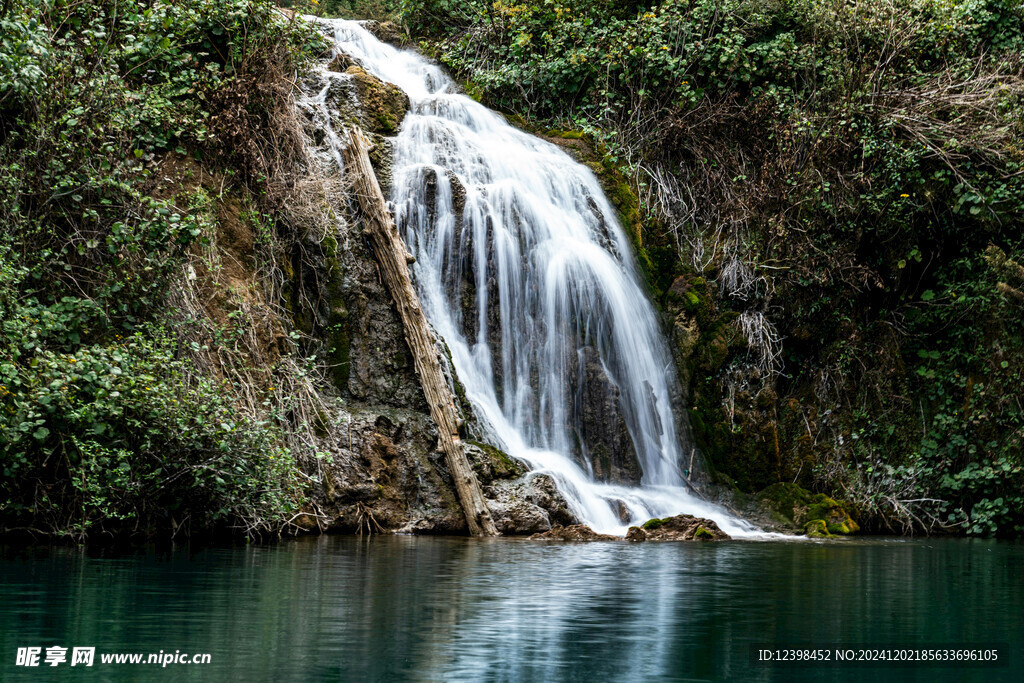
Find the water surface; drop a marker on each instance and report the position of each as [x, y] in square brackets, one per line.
[417, 608]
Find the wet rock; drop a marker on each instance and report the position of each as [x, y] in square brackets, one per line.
[621, 510]
[383, 105]
[678, 528]
[340, 63]
[519, 517]
[388, 32]
[601, 426]
[544, 493]
[527, 504]
[576, 532]
[490, 463]
[381, 155]
[458, 193]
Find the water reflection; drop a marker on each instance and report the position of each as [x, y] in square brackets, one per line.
[406, 608]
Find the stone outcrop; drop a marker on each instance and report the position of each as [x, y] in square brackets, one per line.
[384, 105]
[678, 528]
[528, 504]
[388, 32]
[816, 514]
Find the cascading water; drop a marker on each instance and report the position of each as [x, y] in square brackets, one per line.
[524, 271]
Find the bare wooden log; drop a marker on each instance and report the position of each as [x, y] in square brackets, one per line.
[394, 258]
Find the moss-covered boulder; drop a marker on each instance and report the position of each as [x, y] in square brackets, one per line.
[383, 105]
[492, 463]
[678, 528]
[817, 514]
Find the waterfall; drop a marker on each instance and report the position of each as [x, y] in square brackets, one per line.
[525, 272]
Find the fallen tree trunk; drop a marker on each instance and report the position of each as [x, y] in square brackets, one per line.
[394, 260]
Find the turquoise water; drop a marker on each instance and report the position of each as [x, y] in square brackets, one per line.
[415, 608]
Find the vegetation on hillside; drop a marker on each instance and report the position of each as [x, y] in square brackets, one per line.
[133, 398]
[832, 196]
[829, 196]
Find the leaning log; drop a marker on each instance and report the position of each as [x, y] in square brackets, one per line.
[394, 260]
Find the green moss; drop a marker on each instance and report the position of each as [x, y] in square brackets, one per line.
[384, 105]
[501, 463]
[816, 528]
[795, 505]
[786, 498]
[652, 524]
[702, 534]
[473, 91]
[565, 134]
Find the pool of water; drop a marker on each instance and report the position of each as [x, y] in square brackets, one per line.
[416, 608]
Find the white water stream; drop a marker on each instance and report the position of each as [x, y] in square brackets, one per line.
[531, 276]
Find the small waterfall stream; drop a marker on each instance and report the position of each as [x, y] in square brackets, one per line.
[526, 274]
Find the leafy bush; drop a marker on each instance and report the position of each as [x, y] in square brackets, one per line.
[122, 436]
[840, 170]
[105, 425]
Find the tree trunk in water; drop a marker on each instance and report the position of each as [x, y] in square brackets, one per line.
[394, 261]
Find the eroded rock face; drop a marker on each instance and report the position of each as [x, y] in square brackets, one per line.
[678, 528]
[384, 475]
[601, 426]
[390, 478]
[528, 504]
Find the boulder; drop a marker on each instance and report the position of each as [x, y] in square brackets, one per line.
[383, 105]
[678, 528]
[817, 514]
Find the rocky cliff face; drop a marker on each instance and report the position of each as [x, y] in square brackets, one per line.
[381, 470]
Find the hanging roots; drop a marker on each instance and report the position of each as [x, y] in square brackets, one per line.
[365, 518]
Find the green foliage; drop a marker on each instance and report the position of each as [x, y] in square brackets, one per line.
[972, 456]
[104, 425]
[349, 9]
[856, 161]
[115, 435]
[23, 47]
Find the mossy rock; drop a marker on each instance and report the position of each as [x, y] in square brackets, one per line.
[677, 528]
[494, 463]
[817, 513]
[816, 528]
[340, 63]
[837, 520]
[720, 341]
[565, 134]
[383, 105]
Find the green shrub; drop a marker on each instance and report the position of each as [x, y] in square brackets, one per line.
[857, 160]
[105, 426]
